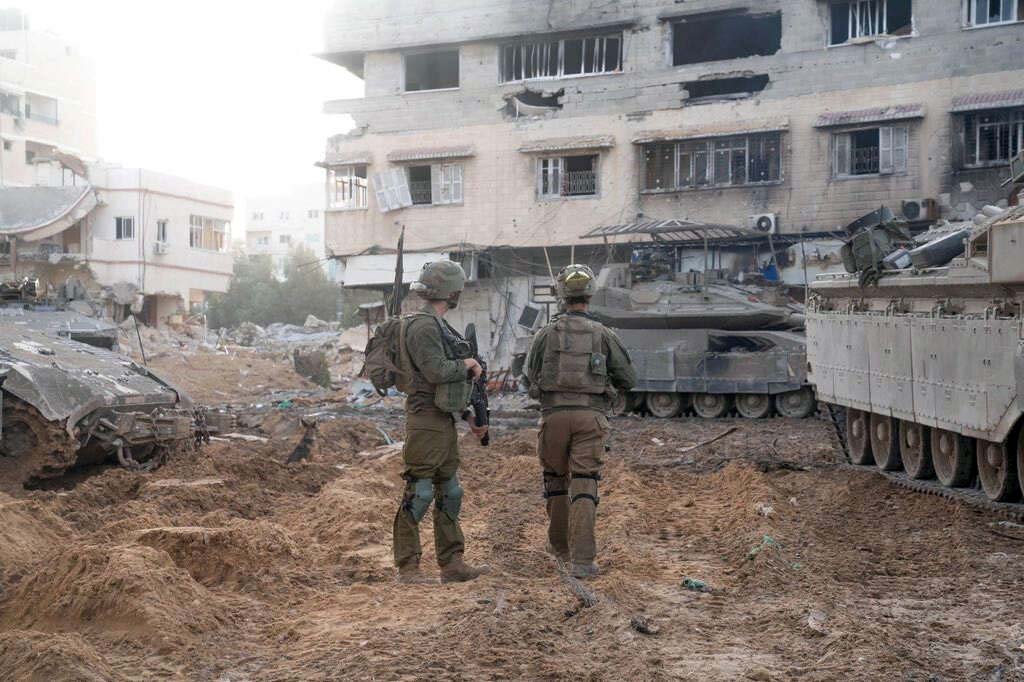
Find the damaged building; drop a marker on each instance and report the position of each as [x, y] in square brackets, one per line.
[500, 134]
[119, 241]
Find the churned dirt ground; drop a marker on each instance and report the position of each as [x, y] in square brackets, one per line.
[228, 564]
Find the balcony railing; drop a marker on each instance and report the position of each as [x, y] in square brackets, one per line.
[579, 183]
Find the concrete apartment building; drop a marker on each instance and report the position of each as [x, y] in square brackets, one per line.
[491, 129]
[47, 104]
[275, 224]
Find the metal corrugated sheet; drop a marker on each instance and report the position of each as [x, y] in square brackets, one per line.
[989, 100]
[875, 115]
[676, 230]
[568, 143]
[746, 127]
[430, 154]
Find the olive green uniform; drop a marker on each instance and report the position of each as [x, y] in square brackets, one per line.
[574, 367]
[431, 453]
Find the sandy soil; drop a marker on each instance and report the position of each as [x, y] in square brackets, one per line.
[227, 564]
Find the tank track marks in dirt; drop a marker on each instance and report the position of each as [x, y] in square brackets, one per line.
[911, 478]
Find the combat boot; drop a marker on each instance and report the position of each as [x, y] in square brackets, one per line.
[584, 571]
[560, 555]
[410, 574]
[458, 571]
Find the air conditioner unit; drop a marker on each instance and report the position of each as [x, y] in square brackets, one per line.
[919, 209]
[161, 248]
[764, 222]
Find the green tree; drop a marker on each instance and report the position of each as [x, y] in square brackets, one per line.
[306, 289]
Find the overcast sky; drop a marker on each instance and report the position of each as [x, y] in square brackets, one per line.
[224, 92]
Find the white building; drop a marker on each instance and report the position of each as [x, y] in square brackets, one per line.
[133, 239]
[47, 104]
[277, 223]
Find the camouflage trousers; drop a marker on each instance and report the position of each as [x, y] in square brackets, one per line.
[431, 453]
[571, 446]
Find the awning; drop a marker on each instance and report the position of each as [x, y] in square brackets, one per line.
[722, 129]
[675, 231]
[346, 159]
[34, 213]
[988, 100]
[876, 115]
[379, 269]
[561, 144]
[431, 154]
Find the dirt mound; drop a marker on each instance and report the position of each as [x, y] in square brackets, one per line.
[28, 530]
[245, 554]
[120, 589]
[29, 655]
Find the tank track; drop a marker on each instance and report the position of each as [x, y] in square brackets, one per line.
[33, 448]
[970, 497]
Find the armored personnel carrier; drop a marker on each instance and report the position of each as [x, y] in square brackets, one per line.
[68, 399]
[706, 345]
[929, 361]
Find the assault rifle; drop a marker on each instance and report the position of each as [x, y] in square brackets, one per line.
[478, 398]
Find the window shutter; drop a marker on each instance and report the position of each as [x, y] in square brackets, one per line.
[456, 178]
[885, 149]
[841, 164]
[438, 195]
[381, 191]
[900, 149]
[398, 189]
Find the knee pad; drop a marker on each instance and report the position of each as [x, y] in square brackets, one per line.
[449, 497]
[418, 494]
[554, 485]
[584, 487]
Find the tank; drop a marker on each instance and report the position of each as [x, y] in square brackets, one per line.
[705, 345]
[68, 399]
[929, 361]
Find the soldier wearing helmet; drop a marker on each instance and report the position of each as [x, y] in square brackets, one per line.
[437, 383]
[575, 366]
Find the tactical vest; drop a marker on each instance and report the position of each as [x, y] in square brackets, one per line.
[450, 397]
[574, 367]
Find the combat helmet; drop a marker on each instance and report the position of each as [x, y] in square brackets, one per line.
[575, 281]
[441, 280]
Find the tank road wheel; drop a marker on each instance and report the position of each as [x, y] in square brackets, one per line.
[664, 405]
[623, 404]
[796, 404]
[32, 448]
[997, 470]
[885, 442]
[916, 450]
[754, 405]
[858, 436]
[953, 458]
[711, 405]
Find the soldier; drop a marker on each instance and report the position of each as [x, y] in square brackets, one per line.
[438, 385]
[574, 367]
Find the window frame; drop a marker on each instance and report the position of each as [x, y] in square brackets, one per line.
[206, 233]
[120, 222]
[1014, 123]
[557, 165]
[969, 5]
[161, 231]
[421, 53]
[345, 177]
[708, 149]
[521, 46]
[898, 138]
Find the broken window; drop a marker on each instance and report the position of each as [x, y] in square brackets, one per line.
[993, 137]
[867, 18]
[124, 228]
[724, 88]
[347, 187]
[391, 188]
[161, 231]
[715, 162]
[554, 58]
[432, 71]
[567, 176]
[725, 35]
[870, 151]
[988, 12]
[209, 234]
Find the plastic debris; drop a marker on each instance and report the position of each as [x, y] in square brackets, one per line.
[766, 542]
[816, 622]
[695, 585]
[764, 509]
[284, 404]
